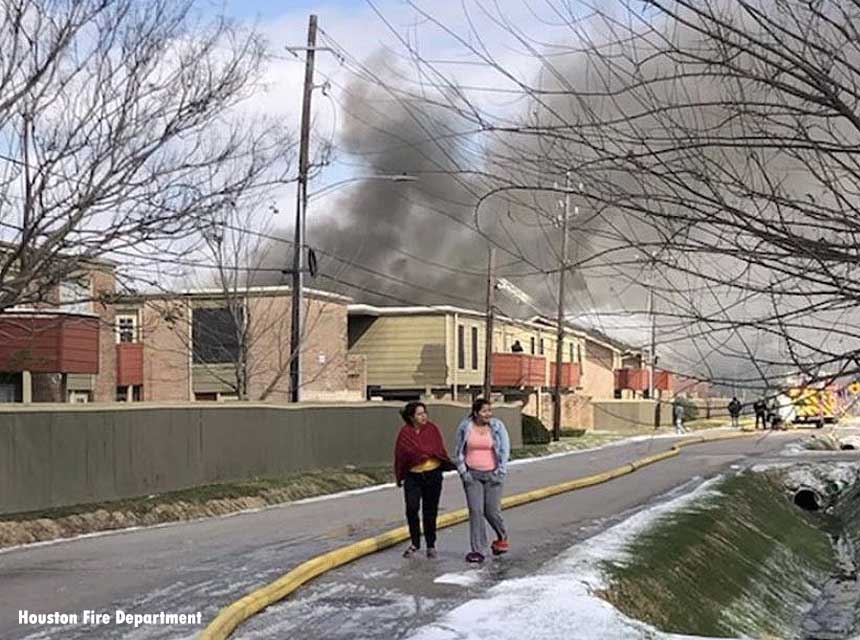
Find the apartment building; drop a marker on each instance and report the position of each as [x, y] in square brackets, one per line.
[438, 351]
[88, 344]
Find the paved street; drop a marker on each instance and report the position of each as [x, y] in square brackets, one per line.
[204, 565]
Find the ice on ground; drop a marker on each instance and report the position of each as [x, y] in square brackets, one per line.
[461, 579]
[560, 601]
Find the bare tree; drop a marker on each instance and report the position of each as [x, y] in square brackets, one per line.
[717, 145]
[122, 132]
[235, 312]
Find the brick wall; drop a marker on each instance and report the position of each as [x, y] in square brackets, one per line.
[269, 348]
[598, 374]
[356, 374]
[103, 283]
[166, 366]
[324, 349]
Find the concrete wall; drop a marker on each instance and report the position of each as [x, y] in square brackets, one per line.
[629, 415]
[576, 410]
[715, 408]
[58, 456]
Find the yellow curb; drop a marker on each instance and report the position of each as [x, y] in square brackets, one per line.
[235, 614]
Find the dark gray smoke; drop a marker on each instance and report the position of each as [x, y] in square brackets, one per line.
[416, 242]
[422, 236]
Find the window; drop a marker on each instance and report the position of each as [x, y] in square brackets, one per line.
[474, 348]
[79, 397]
[541, 346]
[136, 394]
[126, 327]
[461, 347]
[572, 353]
[533, 345]
[215, 335]
[11, 388]
[75, 296]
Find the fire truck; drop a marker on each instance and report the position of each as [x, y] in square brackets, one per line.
[815, 405]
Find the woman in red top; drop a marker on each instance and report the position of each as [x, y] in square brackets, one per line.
[419, 460]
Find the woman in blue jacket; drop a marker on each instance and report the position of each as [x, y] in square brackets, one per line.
[483, 450]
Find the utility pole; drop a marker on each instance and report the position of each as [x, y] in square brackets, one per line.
[652, 360]
[488, 341]
[653, 351]
[301, 208]
[556, 407]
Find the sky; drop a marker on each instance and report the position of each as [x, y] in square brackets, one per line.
[355, 26]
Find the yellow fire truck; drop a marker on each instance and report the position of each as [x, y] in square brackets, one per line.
[812, 405]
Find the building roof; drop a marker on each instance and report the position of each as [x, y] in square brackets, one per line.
[6, 247]
[536, 322]
[594, 334]
[215, 292]
[48, 312]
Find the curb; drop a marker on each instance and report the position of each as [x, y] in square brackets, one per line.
[235, 614]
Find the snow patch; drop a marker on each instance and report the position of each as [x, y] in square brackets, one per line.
[461, 579]
[561, 599]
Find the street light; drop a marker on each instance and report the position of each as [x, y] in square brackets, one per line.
[334, 186]
[297, 296]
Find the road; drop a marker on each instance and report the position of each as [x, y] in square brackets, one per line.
[204, 565]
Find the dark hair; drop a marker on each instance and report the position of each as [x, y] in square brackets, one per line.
[477, 405]
[408, 412]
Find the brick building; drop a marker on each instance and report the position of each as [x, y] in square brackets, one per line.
[205, 345]
[88, 344]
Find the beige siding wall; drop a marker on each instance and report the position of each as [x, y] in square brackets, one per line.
[473, 351]
[213, 378]
[411, 351]
[405, 352]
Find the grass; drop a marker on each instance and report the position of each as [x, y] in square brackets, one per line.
[294, 486]
[743, 562]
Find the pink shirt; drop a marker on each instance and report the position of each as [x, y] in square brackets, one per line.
[479, 451]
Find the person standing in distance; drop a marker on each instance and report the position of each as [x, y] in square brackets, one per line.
[735, 412]
[483, 450]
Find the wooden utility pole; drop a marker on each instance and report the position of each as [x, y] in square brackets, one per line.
[488, 338]
[559, 339]
[301, 209]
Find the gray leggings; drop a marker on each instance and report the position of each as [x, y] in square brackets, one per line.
[484, 499]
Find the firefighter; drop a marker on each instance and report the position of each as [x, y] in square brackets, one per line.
[735, 412]
[760, 408]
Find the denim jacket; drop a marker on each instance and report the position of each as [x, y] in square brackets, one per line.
[501, 445]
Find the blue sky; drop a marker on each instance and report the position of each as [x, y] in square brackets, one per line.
[269, 9]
